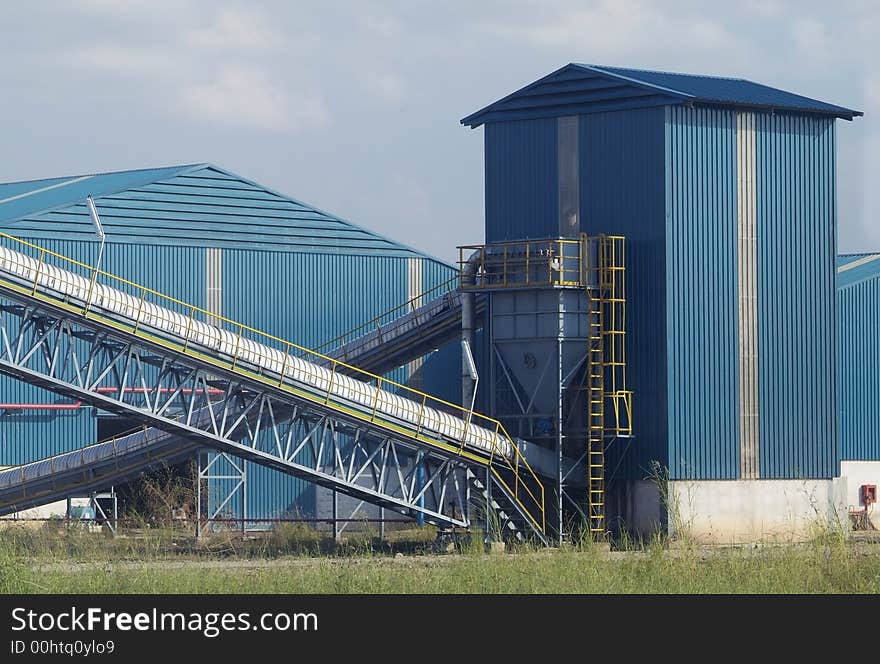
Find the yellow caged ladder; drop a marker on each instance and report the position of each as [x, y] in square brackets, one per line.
[607, 371]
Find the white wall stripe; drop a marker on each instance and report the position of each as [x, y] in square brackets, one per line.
[414, 289]
[214, 282]
[747, 294]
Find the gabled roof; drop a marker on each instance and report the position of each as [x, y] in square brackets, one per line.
[853, 268]
[578, 88]
[195, 204]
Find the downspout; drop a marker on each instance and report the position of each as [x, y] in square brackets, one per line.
[468, 323]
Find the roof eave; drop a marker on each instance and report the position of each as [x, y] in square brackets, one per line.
[840, 112]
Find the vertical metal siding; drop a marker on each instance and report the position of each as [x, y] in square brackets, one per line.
[441, 370]
[30, 435]
[796, 254]
[622, 192]
[521, 180]
[858, 362]
[701, 315]
[309, 299]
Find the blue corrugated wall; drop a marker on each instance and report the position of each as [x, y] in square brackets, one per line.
[701, 304]
[858, 362]
[30, 435]
[666, 178]
[307, 298]
[621, 191]
[796, 293]
[521, 180]
[310, 299]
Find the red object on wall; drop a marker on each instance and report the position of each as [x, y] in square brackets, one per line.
[869, 494]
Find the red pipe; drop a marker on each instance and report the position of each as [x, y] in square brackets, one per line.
[105, 390]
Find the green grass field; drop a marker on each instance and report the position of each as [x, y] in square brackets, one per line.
[296, 561]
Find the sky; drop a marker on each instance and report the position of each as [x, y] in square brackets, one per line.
[354, 107]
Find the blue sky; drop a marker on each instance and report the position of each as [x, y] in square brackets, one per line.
[355, 106]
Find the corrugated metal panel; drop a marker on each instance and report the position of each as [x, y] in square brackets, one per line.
[622, 192]
[521, 180]
[796, 255]
[858, 364]
[701, 317]
[33, 435]
[197, 206]
[582, 89]
[732, 91]
[310, 299]
[571, 90]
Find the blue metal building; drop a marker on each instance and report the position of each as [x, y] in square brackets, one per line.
[217, 240]
[858, 373]
[725, 191]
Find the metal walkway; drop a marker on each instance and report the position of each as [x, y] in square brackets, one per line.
[382, 347]
[218, 383]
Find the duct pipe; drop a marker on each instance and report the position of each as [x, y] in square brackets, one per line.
[468, 306]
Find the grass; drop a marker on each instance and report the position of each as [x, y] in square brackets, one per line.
[295, 559]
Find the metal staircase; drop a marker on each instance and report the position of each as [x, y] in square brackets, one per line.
[258, 397]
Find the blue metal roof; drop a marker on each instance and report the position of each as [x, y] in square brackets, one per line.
[853, 268]
[195, 204]
[579, 88]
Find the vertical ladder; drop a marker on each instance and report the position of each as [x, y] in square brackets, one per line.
[596, 411]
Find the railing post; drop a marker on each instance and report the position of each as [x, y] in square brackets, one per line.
[421, 415]
[330, 382]
[237, 345]
[192, 313]
[37, 274]
[527, 263]
[376, 400]
[284, 364]
[137, 320]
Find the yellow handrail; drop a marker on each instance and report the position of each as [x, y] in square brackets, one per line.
[388, 316]
[523, 474]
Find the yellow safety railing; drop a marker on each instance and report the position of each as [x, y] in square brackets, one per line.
[512, 472]
[524, 263]
[612, 286]
[388, 316]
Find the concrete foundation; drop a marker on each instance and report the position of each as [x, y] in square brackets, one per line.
[733, 511]
[857, 473]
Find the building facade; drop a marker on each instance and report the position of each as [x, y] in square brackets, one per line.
[858, 373]
[725, 191]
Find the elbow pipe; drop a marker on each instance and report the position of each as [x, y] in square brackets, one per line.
[468, 323]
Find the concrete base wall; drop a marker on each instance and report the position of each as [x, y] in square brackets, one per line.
[856, 474]
[733, 511]
[48, 511]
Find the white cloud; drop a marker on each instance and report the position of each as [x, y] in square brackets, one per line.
[247, 97]
[812, 41]
[387, 87]
[128, 60]
[872, 93]
[618, 28]
[152, 8]
[235, 29]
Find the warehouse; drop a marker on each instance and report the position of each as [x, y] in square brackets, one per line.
[211, 238]
[858, 376]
